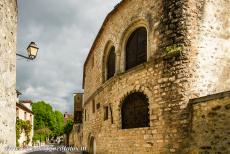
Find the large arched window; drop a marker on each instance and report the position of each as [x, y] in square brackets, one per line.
[135, 111]
[111, 63]
[136, 48]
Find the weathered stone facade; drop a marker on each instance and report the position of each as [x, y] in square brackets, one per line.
[188, 56]
[8, 22]
[209, 131]
[78, 100]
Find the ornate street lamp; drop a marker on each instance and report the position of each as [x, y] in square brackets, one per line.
[32, 51]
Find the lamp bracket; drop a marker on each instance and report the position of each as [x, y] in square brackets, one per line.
[24, 56]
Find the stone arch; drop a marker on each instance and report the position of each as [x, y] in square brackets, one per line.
[135, 111]
[129, 91]
[91, 144]
[105, 57]
[125, 36]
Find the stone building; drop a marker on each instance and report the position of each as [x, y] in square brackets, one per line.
[24, 112]
[67, 116]
[78, 100]
[75, 138]
[157, 79]
[8, 24]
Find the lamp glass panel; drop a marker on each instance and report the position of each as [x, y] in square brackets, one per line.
[29, 51]
[34, 51]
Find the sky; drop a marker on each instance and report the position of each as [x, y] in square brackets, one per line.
[64, 31]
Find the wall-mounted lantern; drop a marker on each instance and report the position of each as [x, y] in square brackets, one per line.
[32, 51]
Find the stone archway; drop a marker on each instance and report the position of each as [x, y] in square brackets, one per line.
[92, 146]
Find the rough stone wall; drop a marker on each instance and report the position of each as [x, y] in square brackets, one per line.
[210, 124]
[8, 21]
[169, 82]
[208, 27]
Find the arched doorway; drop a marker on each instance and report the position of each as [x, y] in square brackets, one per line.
[92, 146]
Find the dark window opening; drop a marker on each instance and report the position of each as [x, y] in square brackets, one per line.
[111, 112]
[93, 106]
[78, 117]
[135, 111]
[85, 115]
[17, 112]
[136, 48]
[111, 63]
[106, 113]
[98, 106]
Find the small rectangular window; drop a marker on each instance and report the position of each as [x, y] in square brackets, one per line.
[93, 106]
[106, 113]
[98, 106]
[17, 112]
[25, 116]
[85, 114]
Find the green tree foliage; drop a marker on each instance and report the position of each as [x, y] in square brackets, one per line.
[47, 122]
[68, 127]
[59, 123]
[21, 126]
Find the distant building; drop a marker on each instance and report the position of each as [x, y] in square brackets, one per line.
[78, 100]
[67, 116]
[24, 112]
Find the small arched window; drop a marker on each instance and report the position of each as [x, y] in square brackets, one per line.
[136, 48]
[111, 63]
[135, 111]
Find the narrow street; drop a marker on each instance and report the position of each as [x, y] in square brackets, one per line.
[52, 152]
[45, 152]
[50, 149]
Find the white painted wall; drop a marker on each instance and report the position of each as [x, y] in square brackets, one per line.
[21, 116]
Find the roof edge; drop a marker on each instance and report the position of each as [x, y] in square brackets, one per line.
[210, 97]
[99, 34]
[23, 107]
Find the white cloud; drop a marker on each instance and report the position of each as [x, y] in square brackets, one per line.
[64, 31]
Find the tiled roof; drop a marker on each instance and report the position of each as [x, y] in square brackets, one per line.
[23, 107]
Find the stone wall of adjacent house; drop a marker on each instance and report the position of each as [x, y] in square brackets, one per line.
[210, 126]
[182, 64]
[8, 22]
[75, 136]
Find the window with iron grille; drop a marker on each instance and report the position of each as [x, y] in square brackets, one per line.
[111, 63]
[135, 111]
[136, 48]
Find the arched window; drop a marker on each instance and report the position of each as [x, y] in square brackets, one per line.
[135, 111]
[111, 63]
[136, 48]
